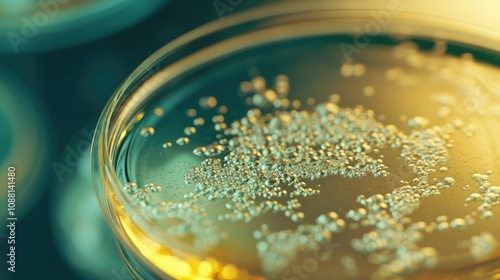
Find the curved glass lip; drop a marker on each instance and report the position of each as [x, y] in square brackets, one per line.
[111, 128]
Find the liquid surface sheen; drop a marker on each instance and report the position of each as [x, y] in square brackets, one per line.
[394, 172]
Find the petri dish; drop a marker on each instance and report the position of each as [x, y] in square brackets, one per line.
[30, 26]
[300, 141]
[22, 121]
[78, 226]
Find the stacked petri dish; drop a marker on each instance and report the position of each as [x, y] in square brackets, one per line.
[314, 140]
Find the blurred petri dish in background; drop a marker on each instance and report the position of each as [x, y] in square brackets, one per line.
[80, 232]
[31, 26]
[320, 140]
[25, 140]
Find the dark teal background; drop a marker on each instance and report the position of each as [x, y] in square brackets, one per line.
[73, 85]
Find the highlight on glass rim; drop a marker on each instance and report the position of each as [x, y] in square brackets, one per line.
[250, 140]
